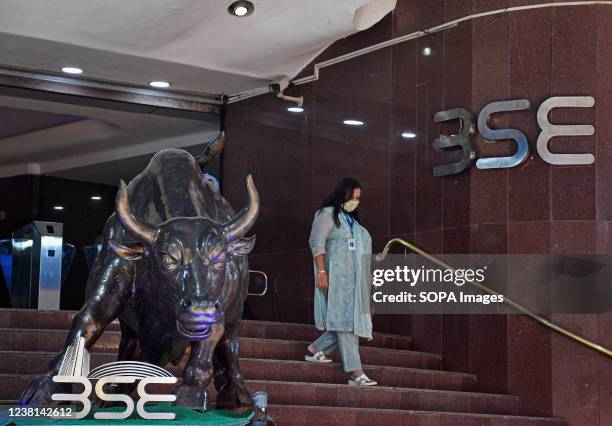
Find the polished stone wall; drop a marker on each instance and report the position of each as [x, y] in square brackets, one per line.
[296, 159]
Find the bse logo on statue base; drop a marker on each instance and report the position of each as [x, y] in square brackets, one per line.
[75, 369]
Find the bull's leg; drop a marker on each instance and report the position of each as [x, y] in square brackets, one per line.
[127, 352]
[128, 343]
[198, 372]
[108, 292]
[232, 393]
[220, 366]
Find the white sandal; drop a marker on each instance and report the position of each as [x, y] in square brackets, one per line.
[319, 357]
[362, 380]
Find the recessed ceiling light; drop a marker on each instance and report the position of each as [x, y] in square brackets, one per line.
[159, 84]
[241, 11]
[295, 109]
[427, 51]
[72, 70]
[241, 8]
[58, 208]
[96, 197]
[353, 122]
[408, 135]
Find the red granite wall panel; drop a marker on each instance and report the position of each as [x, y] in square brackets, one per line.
[532, 208]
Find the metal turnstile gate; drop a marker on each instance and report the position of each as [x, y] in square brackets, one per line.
[36, 280]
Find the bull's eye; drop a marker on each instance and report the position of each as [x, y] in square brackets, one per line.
[168, 262]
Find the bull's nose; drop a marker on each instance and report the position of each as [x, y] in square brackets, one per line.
[200, 312]
[198, 316]
[200, 306]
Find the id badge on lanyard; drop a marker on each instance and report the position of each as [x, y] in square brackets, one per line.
[350, 241]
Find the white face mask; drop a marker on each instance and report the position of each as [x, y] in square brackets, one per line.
[350, 205]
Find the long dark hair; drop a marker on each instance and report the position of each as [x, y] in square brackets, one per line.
[342, 193]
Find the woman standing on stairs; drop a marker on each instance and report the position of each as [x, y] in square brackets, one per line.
[341, 248]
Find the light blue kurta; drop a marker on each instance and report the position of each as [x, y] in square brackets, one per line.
[346, 304]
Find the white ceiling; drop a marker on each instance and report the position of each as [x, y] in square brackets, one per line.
[195, 44]
[81, 137]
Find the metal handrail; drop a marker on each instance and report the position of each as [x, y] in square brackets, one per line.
[263, 293]
[509, 302]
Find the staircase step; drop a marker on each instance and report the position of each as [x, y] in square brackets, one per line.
[308, 332]
[62, 320]
[48, 340]
[310, 415]
[333, 395]
[15, 339]
[324, 394]
[293, 350]
[25, 362]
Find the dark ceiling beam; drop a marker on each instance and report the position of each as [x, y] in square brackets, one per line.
[108, 95]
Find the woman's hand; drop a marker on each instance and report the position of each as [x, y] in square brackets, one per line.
[322, 282]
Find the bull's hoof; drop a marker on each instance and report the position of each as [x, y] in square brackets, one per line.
[235, 398]
[192, 397]
[40, 389]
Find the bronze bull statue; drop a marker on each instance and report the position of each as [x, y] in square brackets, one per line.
[173, 269]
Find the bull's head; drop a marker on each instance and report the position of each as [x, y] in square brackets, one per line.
[196, 255]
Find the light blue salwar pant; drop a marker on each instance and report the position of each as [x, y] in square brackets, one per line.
[348, 344]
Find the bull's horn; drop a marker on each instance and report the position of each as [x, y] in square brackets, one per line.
[212, 150]
[143, 231]
[240, 224]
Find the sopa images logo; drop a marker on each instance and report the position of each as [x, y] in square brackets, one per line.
[75, 369]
